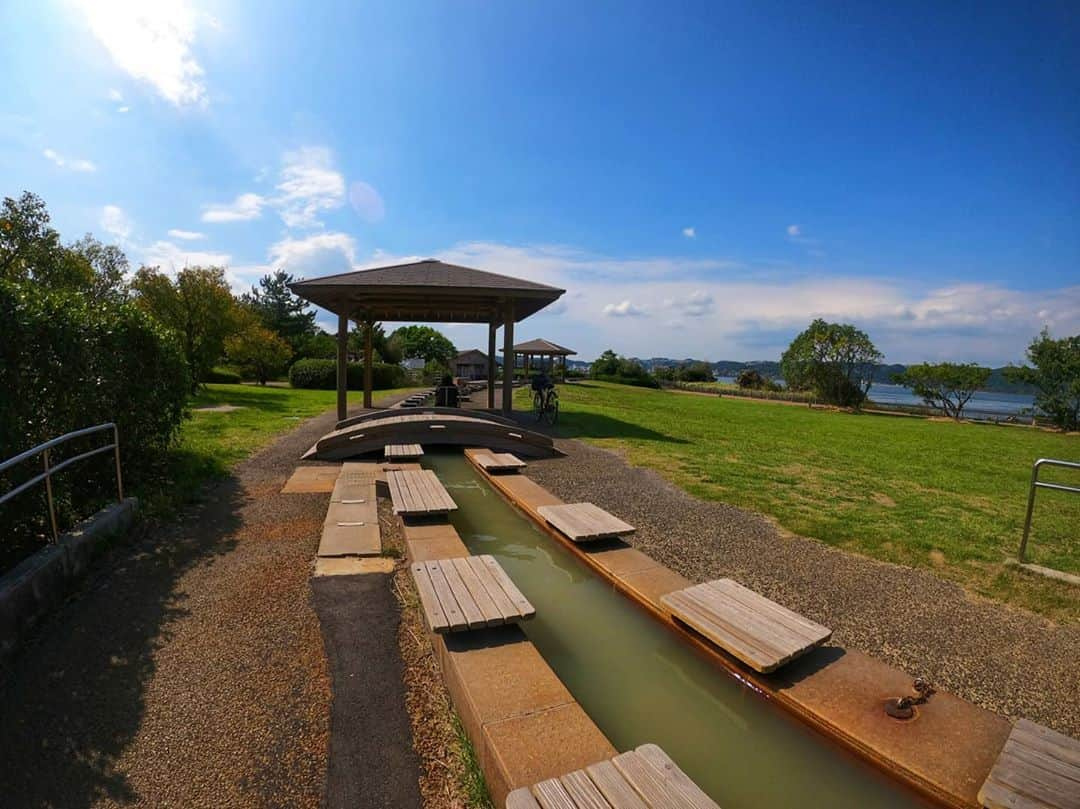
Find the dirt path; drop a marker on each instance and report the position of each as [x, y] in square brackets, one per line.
[1004, 659]
[190, 670]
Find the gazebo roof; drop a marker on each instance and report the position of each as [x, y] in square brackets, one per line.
[426, 291]
[543, 347]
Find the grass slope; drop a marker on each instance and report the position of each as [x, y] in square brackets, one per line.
[921, 492]
[210, 443]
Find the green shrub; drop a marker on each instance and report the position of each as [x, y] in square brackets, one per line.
[322, 375]
[637, 381]
[223, 376]
[68, 361]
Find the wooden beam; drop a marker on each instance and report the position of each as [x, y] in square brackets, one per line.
[491, 365]
[342, 366]
[369, 327]
[508, 359]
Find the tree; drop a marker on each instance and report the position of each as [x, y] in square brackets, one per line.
[30, 250]
[385, 349]
[424, 342]
[607, 364]
[1056, 377]
[948, 386]
[319, 345]
[751, 378]
[198, 306]
[836, 360]
[695, 372]
[259, 351]
[279, 310]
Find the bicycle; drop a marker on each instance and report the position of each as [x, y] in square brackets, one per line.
[546, 405]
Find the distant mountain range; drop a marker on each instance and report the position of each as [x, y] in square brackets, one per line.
[771, 369]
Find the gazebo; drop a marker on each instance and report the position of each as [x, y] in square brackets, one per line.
[427, 291]
[538, 350]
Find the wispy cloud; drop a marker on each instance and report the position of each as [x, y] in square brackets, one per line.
[794, 231]
[319, 254]
[308, 185]
[186, 235]
[68, 163]
[689, 233]
[116, 223]
[172, 257]
[242, 209]
[152, 42]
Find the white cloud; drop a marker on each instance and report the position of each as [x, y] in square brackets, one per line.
[689, 233]
[307, 185]
[123, 109]
[186, 235]
[721, 309]
[152, 42]
[320, 254]
[623, 309]
[66, 163]
[172, 257]
[366, 201]
[794, 231]
[116, 223]
[115, 95]
[242, 209]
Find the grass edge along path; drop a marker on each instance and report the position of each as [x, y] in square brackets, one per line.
[211, 443]
[921, 492]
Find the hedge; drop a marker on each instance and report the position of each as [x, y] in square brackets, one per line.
[322, 375]
[69, 361]
[636, 381]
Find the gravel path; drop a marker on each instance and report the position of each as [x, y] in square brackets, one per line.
[190, 671]
[1006, 660]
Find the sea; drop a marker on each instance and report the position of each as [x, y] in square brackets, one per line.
[987, 404]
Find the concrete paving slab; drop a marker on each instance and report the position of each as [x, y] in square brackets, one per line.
[312, 480]
[352, 565]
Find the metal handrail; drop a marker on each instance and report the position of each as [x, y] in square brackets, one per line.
[1038, 484]
[50, 470]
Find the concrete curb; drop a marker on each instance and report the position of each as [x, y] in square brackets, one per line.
[38, 584]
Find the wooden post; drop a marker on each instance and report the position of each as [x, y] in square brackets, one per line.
[491, 365]
[342, 365]
[369, 327]
[508, 359]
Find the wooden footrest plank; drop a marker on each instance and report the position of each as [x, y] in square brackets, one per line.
[498, 461]
[583, 522]
[403, 452]
[418, 493]
[759, 632]
[1038, 768]
[468, 592]
[645, 778]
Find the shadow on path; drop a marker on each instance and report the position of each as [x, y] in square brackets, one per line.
[74, 696]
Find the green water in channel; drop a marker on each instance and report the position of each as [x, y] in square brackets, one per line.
[640, 683]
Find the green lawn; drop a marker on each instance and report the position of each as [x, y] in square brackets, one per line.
[927, 493]
[210, 444]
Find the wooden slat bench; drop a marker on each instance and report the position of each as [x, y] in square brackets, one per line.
[759, 632]
[403, 452]
[498, 461]
[645, 778]
[582, 522]
[1038, 769]
[418, 493]
[468, 592]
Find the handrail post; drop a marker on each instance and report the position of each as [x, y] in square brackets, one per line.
[119, 479]
[1030, 507]
[49, 496]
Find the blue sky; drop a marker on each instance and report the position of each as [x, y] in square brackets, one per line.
[703, 178]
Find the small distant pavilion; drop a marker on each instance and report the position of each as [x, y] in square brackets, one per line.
[532, 354]
[427, 291]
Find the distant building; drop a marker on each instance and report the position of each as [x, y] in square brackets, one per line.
[470, 365]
